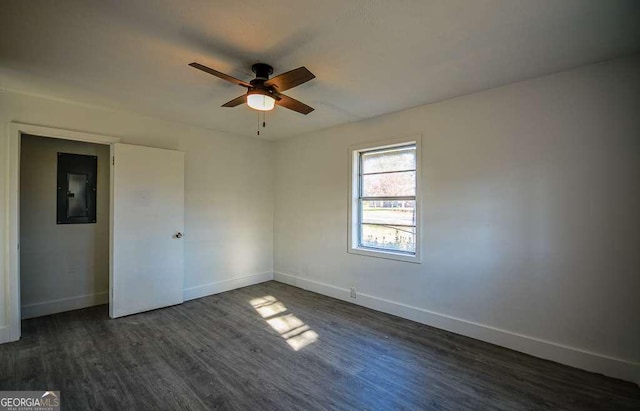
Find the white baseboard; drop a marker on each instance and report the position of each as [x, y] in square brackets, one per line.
[65, 304]
[84, 301]
[226, 285]
[575, 357]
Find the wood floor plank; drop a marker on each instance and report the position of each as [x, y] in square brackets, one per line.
[294, 350]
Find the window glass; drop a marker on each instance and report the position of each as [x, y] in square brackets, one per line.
[389, 184]
[389, 212]
[393, 159]
[387, 199]
[389, 237]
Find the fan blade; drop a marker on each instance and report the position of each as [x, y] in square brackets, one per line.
[293, 104]
[219, 74]
[290, 79]
[236, 101]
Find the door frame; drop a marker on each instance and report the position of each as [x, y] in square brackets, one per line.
[12, 331]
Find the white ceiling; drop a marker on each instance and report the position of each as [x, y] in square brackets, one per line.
[370, 56]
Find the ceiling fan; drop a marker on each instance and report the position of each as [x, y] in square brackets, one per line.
[264, 93]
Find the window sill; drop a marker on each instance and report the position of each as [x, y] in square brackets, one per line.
[389, 255]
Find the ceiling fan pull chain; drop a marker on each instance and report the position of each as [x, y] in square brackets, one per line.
[258, 123]
[264, 119]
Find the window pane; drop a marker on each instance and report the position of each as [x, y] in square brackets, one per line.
[389, 185]
[394, 159]
[389, 237]
[389, 212]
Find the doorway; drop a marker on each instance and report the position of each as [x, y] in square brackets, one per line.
[64, 256]
[10, 328]
[145, 225]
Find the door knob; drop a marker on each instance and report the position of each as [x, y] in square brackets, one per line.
[178, 235]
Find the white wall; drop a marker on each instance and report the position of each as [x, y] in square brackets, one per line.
[531, 217]
[62, 266]
[530, 213]
[228, 188]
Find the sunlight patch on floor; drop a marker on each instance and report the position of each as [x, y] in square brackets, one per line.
[297, 334]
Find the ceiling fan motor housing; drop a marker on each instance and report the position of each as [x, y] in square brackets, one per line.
[262, 70]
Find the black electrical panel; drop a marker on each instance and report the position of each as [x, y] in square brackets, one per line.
[77, 176]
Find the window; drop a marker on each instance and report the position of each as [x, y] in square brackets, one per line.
[384, 212]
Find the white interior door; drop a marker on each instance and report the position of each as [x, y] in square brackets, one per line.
[148, 220]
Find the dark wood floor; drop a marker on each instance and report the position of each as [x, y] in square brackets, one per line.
[219, 352]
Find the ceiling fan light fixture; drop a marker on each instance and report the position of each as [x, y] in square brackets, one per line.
[261, 102]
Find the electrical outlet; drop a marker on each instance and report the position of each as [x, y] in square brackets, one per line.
[353, 292]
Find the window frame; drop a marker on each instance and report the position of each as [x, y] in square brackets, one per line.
[354, 215]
